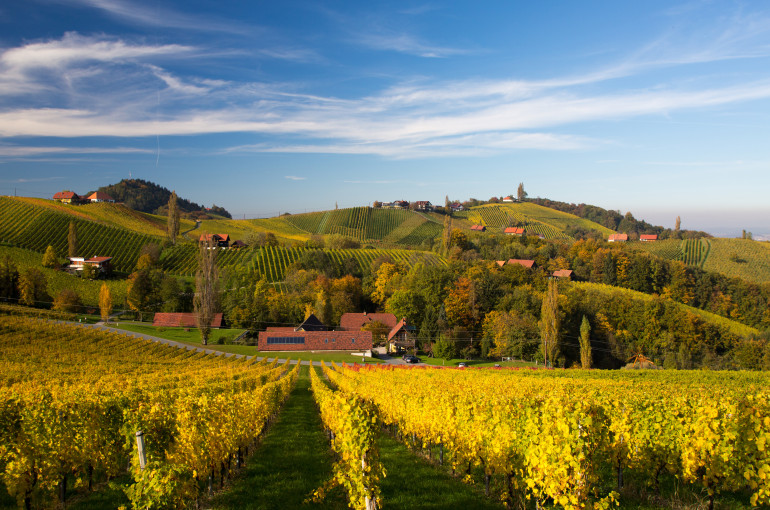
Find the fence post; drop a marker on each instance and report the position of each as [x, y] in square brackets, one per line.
[140, 449]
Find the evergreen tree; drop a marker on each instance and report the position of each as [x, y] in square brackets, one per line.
[173, 217]
[72, 240]
[586, 359]
[549, 323]
[206, 281]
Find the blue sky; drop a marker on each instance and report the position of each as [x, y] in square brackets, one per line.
[657, 108]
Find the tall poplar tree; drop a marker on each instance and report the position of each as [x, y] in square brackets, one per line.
[206, 281]
[520, 193]
[173, 217]
[105, 302]
[586, 359]
[72, 240]
[549, 322]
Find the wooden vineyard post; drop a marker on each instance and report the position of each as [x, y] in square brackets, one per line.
[140, 449]
[371, 504]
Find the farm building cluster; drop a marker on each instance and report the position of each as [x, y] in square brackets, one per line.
[72, 198]
[356, 332]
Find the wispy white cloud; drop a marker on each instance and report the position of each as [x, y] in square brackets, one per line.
[156, 16]
[295, 178]
[31, 151]
[408, 44]
[417, 118]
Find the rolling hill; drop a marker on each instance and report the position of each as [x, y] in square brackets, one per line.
[738, 258]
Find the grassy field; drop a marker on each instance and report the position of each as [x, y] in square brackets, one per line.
[734, 327]
[272, 261]
[88, 290]
[741, 258]
[34, 227]
[535, 218]
[737, 258]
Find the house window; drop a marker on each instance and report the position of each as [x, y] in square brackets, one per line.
[326, 340]
[352, 340]
[285, 340]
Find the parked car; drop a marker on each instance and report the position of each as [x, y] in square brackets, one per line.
[461, 365]
[411, 359]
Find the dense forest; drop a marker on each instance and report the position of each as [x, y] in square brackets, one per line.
[634, 302]
[149, 197]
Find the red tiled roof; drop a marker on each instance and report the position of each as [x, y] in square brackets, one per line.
[398, 327]
[279, 329]
[186, 320]
[215, 237]
[648, 237]
[509, 198]
[563, 273]
[618, 237]
[98, 260]
[522, 262]
[514, 230]
[99, 195]
[64, 195]
[480, 228]
[500, 263]
[355, 321]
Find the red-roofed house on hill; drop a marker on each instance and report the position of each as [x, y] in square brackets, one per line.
[99, 196]
[400, 337]
[183, 320]
[479, 228]
[509, 198]
[102, 264]
[529, 264]
[514, 231]
[422, 205]
[648, 237]
[67, 197]
[218, 240]
[356, 321]
[563, 273]
[617, 238]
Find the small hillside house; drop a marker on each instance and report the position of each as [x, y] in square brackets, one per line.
[401, 337]
[508, 199]
[563, 273]
[67, 197]
[356, 321]
[529, 264]
[216, 240]
[423, 205]
[514, 231]
[648, 237]
[617, 238]
[102, 264]
[184, 320]
[479, 228]
[99, 196]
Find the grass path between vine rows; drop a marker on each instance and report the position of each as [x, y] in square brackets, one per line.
[295, 458]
